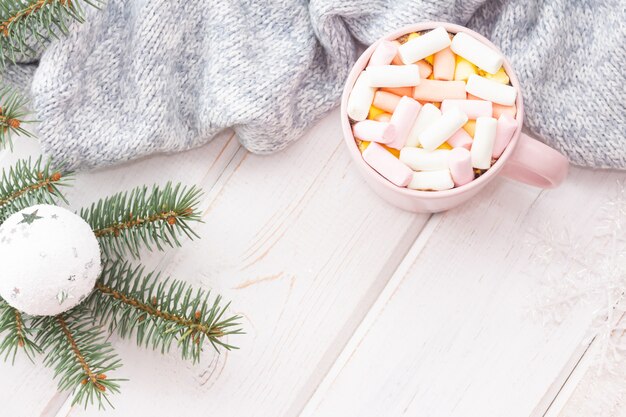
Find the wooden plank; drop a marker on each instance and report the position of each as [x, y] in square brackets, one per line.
[453, 337]
[28, 389]
[302, 247]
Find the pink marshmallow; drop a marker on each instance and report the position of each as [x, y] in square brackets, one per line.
[499, 110]
[460, 162]
[386, 101]
[425, 69]
[436, 90]
[504, 132]
[444, 64]
[399, 91]
[403, 118]
[461, 139]
[373, 131]
[472, 108]
[387, 165]
[383, 54]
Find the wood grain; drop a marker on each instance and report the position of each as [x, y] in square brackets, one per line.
[453, 337]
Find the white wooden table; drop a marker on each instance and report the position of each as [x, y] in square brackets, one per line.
[351, 307]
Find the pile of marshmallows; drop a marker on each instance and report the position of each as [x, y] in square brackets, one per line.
[445, 104]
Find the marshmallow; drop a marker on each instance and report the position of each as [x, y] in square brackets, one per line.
[419, 159]
[425, 69]
[431, 180]
[470, 127]
[463, 69]
[383, 117]
[399, 91]
[490, 90]
[386, 101]
[472, 108]
[504, 132]
[403, 118]
[442, 129]
[422, 46]
[383, 54]
[361, 98]
[499, 110]
[444, 64]
[484, 139]
[387, 165]
[500, 76]
[461, 139]
[435, 90]
[427, 115]
[374, 112]
[373, 131]
[476, 52]
[393, 75]
[460, 163]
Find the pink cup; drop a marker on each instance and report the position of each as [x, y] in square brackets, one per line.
[525, 159]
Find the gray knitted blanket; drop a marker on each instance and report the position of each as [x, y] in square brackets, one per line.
[141, 77]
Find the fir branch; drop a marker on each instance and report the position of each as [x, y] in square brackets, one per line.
[81, 357]
[13, 115]
[18, 333]
[159, 313]
[28, 183]
[26, 23]
[126, 221]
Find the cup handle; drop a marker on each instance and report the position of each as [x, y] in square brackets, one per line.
[536, 164]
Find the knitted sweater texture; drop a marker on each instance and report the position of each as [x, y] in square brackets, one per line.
[141, 77]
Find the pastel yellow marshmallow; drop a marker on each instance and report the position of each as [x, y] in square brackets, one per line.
[470, 127]
[413, 36]
[362, 145]
[463, 69]
[394, 152]
[499, 76]
[374, 113]
[445, 145]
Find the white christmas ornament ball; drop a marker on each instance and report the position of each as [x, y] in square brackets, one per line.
[49, 260]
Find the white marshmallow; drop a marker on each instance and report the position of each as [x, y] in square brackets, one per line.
[393, 75]
[427, 116]
[476, 52]
[424, 45]
[419, 159]
[361, 98]
[446, 126]
[490, 90]
[484, 139]
[431, 180]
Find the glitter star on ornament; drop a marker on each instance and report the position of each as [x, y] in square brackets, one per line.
[30, 218]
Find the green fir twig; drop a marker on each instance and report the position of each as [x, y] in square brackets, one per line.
[18, 334]
[161, 312]
[80, 356]
[26, 23]
[13, 116]
[28, 183]
[125, 222]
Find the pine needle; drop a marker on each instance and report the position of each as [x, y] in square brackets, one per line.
[80, 356]
[159, 312]
[13, 116]
[28, 183]
[125, 222]
[24, 24]
[18, 333]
